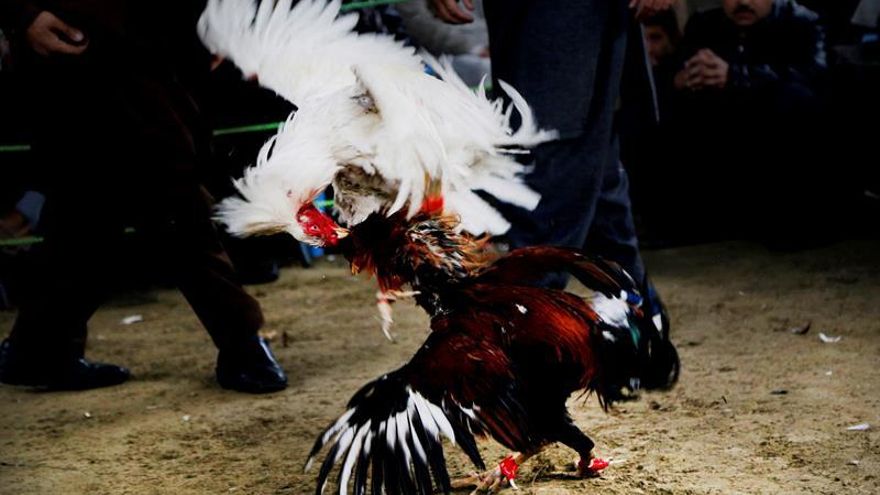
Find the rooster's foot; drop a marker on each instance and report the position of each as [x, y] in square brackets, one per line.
[493, 480]
[589, 467]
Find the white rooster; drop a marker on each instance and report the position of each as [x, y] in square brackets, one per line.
[369, 121]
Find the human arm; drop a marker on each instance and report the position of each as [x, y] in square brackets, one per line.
[45, 33]
[644, 9]
[450, 10]
[439, 37]
[49, 35]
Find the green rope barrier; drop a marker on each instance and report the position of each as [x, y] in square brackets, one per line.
[271, 126]
[14, 148]
[21, 241]
[27, 241]
[367, 4]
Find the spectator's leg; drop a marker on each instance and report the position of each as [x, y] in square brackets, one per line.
[568, 178]
[612, 234]
[191, 247]
[67, 281]
[568, 172]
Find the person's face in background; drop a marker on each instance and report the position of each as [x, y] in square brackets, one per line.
[659, 44]
[745, 13]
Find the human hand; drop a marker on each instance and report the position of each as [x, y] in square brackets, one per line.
[648, 8]
[450, 11]
[48, 35]
[703, 70]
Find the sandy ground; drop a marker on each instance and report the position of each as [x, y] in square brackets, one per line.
[722, 430]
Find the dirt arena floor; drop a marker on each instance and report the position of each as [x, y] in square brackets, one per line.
[759, 409]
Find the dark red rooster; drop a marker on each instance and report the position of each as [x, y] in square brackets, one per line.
[501, 360]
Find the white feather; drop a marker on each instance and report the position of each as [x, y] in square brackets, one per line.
[390, 432]
[368, 442]
[299, 53]
[425, 415]
[611, 310]
[402, 430]
[343, 443]
[340, 423]
[420, 451]
[442, 422]
[353, 452]
[419, 128]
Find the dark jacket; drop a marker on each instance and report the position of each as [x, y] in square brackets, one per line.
[787, 45]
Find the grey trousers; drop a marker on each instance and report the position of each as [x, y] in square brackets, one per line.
[566, 58]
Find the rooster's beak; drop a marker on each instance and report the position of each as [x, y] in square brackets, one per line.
[341, 233]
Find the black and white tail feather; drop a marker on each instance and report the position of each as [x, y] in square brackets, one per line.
[391, 438]
[365, 101]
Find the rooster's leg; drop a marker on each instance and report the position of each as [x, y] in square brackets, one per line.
[383, 304]
[587, 464]
[494, 480]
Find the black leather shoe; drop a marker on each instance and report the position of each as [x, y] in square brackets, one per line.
[250, 367]
[68, 374]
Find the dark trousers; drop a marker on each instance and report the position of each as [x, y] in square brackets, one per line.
[120, 145]
[567, 59]
[582, 205]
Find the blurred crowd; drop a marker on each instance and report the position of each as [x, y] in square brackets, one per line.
[765, 115]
